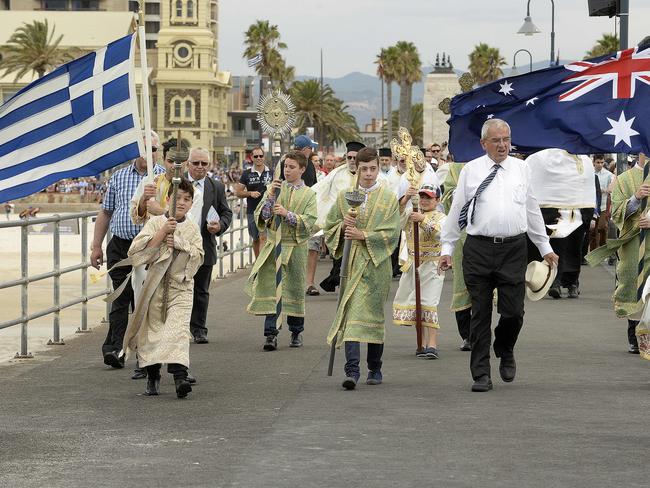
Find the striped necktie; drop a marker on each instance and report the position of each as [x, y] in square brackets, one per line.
[462, 218]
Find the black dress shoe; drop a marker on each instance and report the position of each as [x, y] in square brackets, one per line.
[465, 346]
[329, 284]
[153, 386]
[111, 359]
[201, 339]
[191, 379]
[183, 387]
[508, 369]
[555, 292]
[139, 374]
[484, 383]
[573, 291]
[633, 348]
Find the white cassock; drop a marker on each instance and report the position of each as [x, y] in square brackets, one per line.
[563, 181]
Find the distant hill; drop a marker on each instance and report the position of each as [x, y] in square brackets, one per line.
[362, 92]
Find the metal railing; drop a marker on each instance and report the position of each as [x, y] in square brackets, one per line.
[241, 246]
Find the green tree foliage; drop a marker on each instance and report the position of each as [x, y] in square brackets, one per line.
[485, 63]
[33, 48]
[386, 70]
[408, 70]
[609, 43]
[331, 117]
[264, 38]
[417, 123]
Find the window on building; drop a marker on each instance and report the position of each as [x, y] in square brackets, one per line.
[188, 109]
[151, 8]
[190, 9]
[179, 8]
[85, 4]
[54, 4]
[151, 27]
[177, 109]
[151, 44]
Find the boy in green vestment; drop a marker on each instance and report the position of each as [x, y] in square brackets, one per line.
[374, 234]
[629, 191]
[296, 207]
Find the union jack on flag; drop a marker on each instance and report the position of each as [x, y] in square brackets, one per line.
[623, 71]
[601, 105]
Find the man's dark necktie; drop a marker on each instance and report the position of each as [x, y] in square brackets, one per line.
[462, 218]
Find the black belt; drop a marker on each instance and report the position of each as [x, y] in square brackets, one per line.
[498, 239]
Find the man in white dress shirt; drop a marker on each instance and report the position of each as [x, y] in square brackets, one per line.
[495, 202]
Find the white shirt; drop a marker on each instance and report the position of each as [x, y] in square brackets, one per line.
[197, 203]
[506, 208]
[605, 179]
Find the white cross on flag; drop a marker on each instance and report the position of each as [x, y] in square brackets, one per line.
[78, 120]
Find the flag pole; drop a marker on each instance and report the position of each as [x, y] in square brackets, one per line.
[145, 90]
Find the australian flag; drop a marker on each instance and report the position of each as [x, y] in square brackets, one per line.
[78, 120]
[601, 105]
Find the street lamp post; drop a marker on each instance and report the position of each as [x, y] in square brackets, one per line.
[514, 59]
[528, 29]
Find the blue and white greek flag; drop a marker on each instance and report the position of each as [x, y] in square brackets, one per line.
[79, 120]
[255, 60]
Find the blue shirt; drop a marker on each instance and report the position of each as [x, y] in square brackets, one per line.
[121, 188]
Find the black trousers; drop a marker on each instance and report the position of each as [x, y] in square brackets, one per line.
[334, 278]
[178, 370]
[463, 319]
[201, 301]
[118, 318]
[570, 249]
[488, 266]
[394, 258]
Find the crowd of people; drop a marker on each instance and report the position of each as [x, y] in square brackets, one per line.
[506, 225]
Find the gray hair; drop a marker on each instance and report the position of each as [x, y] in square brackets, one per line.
[489, 123]
[154, 136]
[202, 150]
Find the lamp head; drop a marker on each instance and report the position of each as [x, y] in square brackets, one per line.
[528, 29]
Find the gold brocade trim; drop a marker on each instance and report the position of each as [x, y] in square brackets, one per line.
[365, 324]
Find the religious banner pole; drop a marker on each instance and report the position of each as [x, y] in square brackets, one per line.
[403, 148]
[276, 115]
[145, 91]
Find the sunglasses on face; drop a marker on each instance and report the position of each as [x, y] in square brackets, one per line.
[351, 158]
[200, 163]
[258, 156]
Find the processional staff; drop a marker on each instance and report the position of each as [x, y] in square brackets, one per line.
[403, 148]
[276, 114]
[354, 198]
[178, 155]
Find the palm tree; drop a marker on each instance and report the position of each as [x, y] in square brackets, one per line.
[331, 117]
[485, 63]
[280, 75]
[609, 43]
[417, 123]
[33, 48]
[386, 71]
[264, 38]
[408, 70]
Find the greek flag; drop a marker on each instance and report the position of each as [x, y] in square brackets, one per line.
[255, 60]
[79, 120]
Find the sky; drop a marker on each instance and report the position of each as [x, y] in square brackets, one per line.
[351, 32]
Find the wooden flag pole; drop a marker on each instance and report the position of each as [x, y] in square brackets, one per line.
[145, 91]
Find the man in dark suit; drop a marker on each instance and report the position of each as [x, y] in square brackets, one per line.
[211, 225]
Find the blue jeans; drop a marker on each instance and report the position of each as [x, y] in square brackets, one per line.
[296, 325]
[353, 356]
